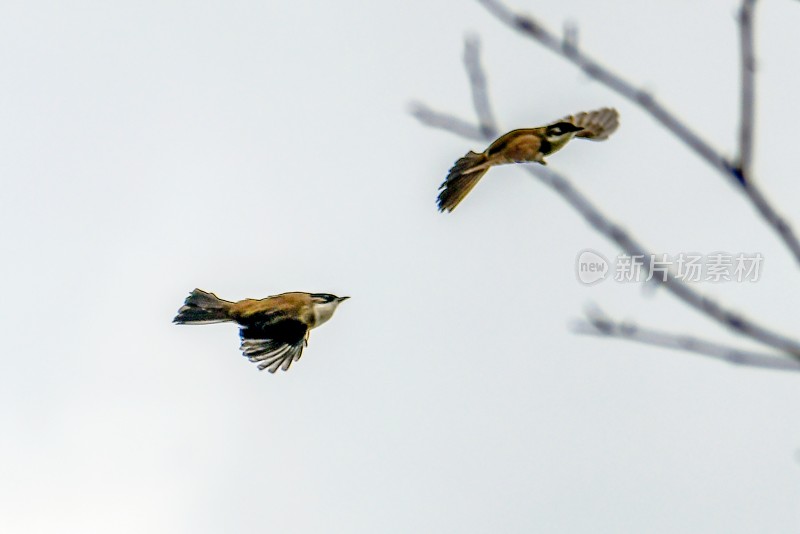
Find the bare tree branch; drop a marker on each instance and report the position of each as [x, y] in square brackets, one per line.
[772, 217]
[747, 127]
[748, 88]
[597, 323]
[443, 121]
[618, 235]
[567, 48]
[477, 83]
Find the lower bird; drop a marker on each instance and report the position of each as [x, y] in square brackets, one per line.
[526, 144]
[274, 330]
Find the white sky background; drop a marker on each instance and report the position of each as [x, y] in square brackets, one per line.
[260, 147]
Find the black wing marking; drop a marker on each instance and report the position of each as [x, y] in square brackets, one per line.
[274, 345]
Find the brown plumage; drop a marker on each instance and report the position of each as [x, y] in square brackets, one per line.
[274, 330]
[523, 145]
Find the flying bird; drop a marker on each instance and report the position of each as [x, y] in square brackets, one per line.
[274, 330]
[526, 144]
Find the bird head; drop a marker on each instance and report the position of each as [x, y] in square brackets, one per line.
[557, 134]
[561, 131]
[324, 304]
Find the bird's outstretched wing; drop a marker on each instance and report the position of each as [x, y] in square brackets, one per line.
[274, 345]
[597, 125]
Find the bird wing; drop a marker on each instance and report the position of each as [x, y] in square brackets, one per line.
[273, 342]
[515, 146]
[597, 125]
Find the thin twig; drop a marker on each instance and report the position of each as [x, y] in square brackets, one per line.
[748, 68]
[477, 83]
[597, 220]
[599, 324]
[733, 171]
[444, 121]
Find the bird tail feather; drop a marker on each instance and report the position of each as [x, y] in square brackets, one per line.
[461, 179]
[201, 307]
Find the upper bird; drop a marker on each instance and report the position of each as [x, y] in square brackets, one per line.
[274, 330]
[526, 144]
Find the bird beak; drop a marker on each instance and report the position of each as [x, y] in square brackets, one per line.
[342, 299]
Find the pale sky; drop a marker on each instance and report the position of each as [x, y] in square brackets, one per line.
[253, 148]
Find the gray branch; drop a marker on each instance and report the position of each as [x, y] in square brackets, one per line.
[444, 121]
[736, 172]
[748, 69]
[599, 324]
[477, 82]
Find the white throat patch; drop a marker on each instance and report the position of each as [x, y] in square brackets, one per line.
[323, 312]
